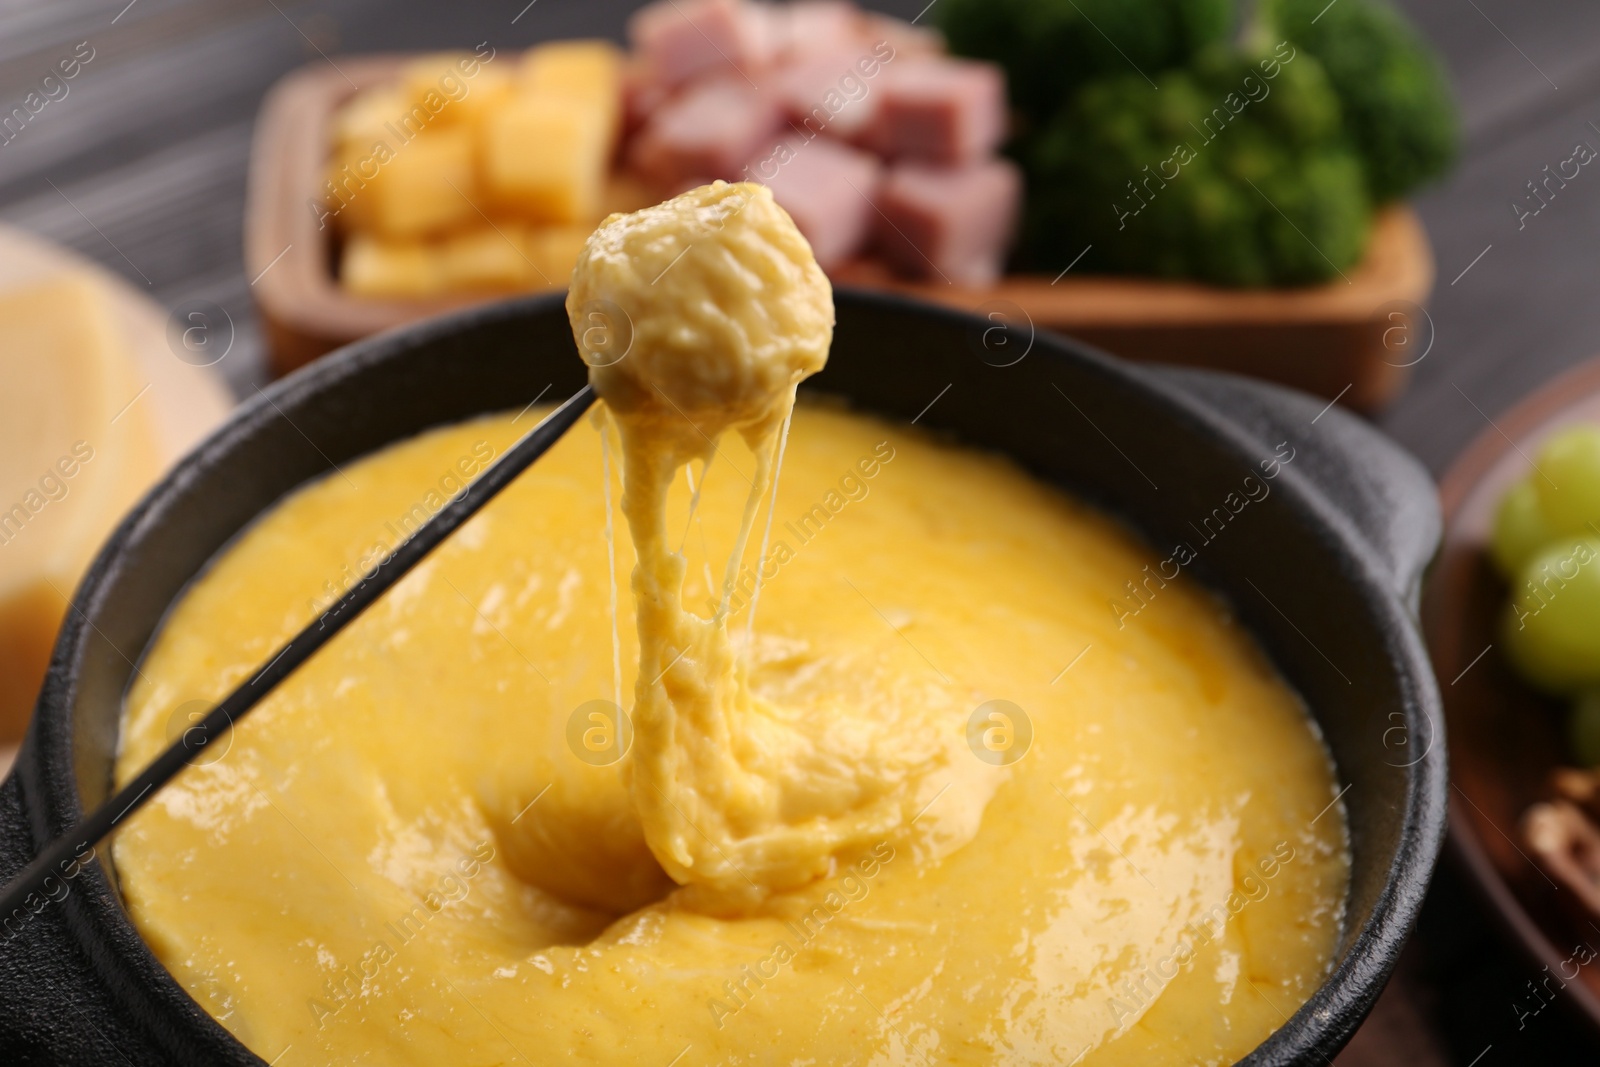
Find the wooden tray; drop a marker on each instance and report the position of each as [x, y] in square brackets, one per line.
[1504, 738]
[1326, 339]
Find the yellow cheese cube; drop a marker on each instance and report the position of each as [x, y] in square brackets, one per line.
[429, 185]
[589, 72]
[546, 158]
[451, 88]
[368, 117]
[554, 252]
[591, 68]
[487, 92]
[346, 197]
[436, 83]
[591, 63]
[372, 266]
[488, 258]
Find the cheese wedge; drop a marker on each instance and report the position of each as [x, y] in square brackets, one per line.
[77, 447]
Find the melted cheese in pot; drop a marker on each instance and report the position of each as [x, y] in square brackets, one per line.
[940, 805]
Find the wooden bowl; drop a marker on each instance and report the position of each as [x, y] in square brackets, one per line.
[1328, 339]
[1504, 737]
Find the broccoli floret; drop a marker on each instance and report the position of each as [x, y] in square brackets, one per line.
[1237, 171]
[1397, 101]
[1051, 47]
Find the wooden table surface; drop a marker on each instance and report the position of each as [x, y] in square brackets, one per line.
[142, 165]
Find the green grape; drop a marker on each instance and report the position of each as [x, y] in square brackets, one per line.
[1551, 628]
[1568, 480]
[1583, 729]
[1520, 529]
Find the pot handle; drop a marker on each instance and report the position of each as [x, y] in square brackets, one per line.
[1385, 493]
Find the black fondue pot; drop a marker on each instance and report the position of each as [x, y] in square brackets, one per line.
[1324, 570]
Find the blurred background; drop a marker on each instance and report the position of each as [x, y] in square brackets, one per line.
[148, 159]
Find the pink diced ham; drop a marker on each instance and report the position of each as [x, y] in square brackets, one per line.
[952, 223]
[710, 131]
[642, 93]
[940, 111]
[834, 94]
[816, 27]
[680, 39]
[905, 38]
[827, 188]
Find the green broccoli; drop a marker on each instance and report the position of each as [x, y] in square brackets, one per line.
[1397, 102]
[1237, 171]
[1051, 47]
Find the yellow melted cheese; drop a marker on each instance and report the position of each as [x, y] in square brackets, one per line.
[359, 874]
[942, 805]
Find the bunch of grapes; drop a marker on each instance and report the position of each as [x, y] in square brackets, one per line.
[1546, 541]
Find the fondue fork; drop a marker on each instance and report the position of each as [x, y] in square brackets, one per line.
[61, 854]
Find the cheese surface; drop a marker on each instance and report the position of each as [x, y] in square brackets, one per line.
[409, 854]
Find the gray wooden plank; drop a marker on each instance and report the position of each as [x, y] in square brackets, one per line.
[1525, 311]
[167, 223]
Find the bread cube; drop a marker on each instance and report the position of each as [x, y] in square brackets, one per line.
[428, 186]
[487, 258]
[546, 158]
[374, 267]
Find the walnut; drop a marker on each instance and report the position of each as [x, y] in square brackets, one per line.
[1566, 844]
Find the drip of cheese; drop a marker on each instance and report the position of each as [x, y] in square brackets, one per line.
[725, 311]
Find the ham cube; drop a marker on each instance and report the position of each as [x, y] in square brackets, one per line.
[827, 188]
[834, 94]
[950, 223]
[642, 93]
[678, 40]
[710, 131]
[903, 37]
[816, 27]
[940, 110]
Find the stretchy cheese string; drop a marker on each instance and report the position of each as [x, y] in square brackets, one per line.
[766, 537]
[747, 522]
[603, 418]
